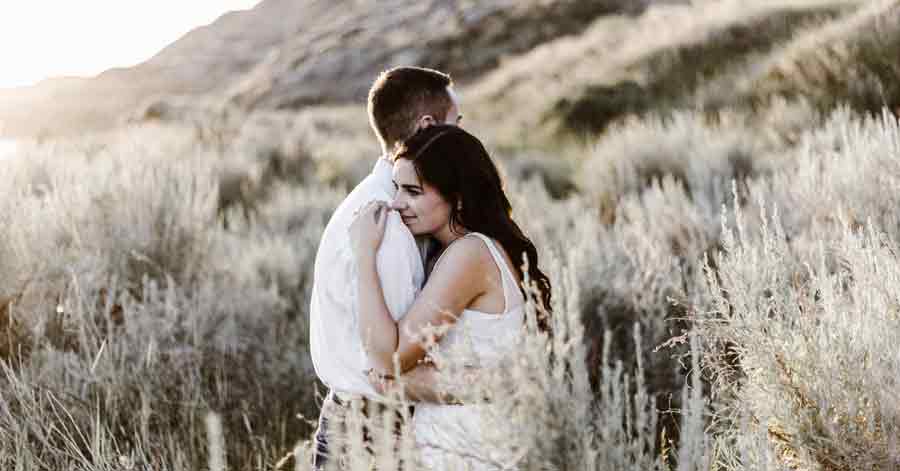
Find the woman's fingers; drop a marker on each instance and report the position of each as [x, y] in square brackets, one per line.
[379, 379]
[372, 207]
[376, 381]
[365, 233]
[378, 210]
[381, 214]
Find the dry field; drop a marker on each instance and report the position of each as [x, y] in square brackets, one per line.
[724, 256]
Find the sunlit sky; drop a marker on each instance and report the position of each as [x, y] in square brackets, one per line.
[49, 38]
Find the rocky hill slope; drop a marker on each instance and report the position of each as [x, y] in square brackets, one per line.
[673, 56]
[530, 70]
[287, 54]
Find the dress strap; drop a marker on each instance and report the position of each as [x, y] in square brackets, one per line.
[507, 279]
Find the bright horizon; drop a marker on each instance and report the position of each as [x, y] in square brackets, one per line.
[40, 39]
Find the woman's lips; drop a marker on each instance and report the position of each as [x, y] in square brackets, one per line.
[407, 219]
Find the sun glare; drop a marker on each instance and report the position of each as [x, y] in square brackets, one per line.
[50, 38]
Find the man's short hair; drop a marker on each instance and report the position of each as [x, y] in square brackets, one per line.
[400, 96]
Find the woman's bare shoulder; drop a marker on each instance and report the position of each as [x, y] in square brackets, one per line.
[468, 253]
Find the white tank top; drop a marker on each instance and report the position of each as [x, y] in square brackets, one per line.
[490, 334]
[451, 436]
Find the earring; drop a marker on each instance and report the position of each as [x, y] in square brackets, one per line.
[459, 205]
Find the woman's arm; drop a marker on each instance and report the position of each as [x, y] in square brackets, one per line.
[425, 383]
[457, 280]
[377, 328]
[419, 384]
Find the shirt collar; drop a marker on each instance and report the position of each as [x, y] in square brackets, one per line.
[384, 173]
[383, 165]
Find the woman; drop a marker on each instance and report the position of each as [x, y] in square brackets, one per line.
[448, 188]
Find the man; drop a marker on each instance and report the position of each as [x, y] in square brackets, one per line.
[401, 101]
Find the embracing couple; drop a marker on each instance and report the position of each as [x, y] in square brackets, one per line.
[421, 256]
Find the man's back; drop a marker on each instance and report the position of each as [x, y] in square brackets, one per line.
[335, 344]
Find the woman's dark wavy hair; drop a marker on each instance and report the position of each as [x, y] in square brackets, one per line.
[458, 166]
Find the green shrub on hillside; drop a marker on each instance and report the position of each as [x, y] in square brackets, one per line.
[669, 77]
[852, 61]
[703, 158]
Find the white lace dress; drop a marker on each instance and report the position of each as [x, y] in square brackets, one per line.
[451, 437]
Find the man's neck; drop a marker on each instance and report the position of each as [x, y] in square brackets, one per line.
[387, 151]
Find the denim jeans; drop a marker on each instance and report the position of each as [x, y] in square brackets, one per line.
[332, 428]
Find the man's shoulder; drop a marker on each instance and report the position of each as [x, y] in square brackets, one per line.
[335, 237]
[366, 190]
[361, 194]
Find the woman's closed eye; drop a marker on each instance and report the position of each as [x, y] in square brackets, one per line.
[411, 190]
[408, 189]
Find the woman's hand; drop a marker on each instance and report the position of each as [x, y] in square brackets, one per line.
[367, 229]
[420, 384]
[381, 382]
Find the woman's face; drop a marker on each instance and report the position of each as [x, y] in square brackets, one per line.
[422, 208]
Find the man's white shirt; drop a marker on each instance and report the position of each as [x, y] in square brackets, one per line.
[334, 336]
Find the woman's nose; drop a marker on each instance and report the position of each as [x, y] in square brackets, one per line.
[398, 203]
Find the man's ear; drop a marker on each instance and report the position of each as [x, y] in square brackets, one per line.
[425, 121]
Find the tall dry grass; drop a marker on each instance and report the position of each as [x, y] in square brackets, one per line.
[131, 313]
[141, 313]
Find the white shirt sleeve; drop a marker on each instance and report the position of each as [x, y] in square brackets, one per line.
[335, 346]
[399, 266]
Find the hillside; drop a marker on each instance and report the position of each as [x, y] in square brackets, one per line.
[197, 63]
[284, 55]
[624, 66]
[579, 66]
